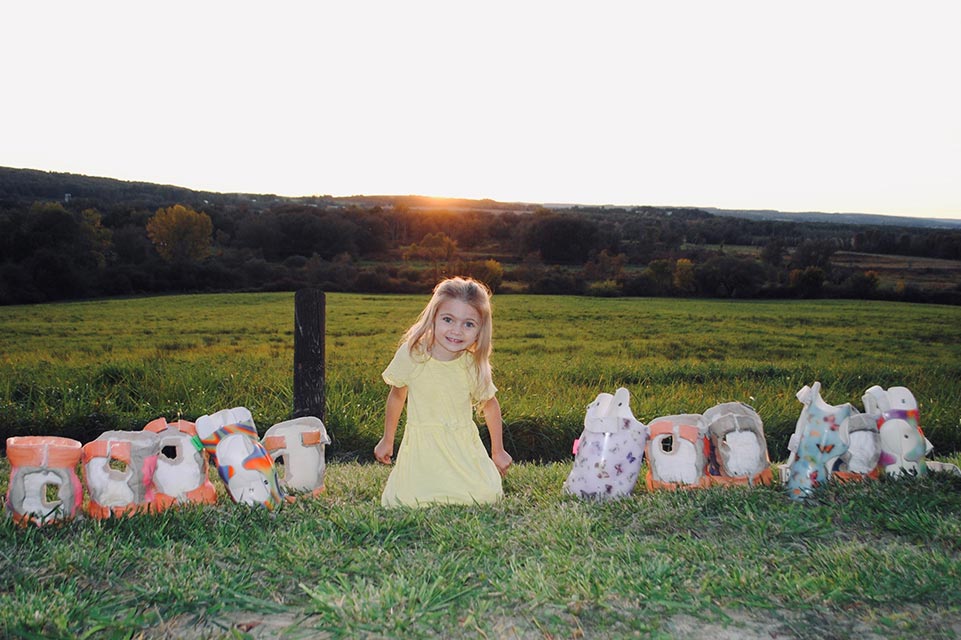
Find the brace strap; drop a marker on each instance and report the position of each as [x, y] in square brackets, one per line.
[666, 427]
[161, 424]
[115, 449]
[307, 438]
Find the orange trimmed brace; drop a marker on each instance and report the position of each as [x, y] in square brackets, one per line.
[685, 432]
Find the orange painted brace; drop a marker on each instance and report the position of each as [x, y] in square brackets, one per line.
[114, 450]
[51, 452]
[205, 493]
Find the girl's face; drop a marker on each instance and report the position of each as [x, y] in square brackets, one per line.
[456, 327]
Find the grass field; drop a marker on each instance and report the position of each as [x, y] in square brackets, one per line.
[873, 560]
[78, 369]
[925, 273]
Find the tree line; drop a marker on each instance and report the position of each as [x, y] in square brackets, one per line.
[67, 237]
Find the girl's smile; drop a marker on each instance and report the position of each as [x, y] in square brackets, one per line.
[456, 327]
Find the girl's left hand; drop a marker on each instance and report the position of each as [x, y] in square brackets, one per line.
[384, 451]
[502, 460]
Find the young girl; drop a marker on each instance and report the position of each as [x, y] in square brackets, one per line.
[441, 370]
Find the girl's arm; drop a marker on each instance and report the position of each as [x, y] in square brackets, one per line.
[495, 426]
[384, 450]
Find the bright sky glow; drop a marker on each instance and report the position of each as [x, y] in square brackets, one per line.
[836, 106]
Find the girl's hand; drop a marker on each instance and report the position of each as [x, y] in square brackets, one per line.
[384, 451]
[502, 460]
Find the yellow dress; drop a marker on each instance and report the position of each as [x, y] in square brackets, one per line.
[441, 458]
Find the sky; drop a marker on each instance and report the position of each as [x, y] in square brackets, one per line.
[834, 106]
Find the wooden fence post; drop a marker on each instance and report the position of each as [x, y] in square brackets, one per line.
[309, 368]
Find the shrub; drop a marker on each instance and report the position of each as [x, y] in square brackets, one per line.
[807, 282]
[728, 276]
[860, 284]
[604, 289]
[642, 284]
[557, 281]
[490, 272]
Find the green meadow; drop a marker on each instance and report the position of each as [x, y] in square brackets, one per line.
[78, 369]
[875, 560]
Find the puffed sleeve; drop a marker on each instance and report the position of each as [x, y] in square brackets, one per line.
[480, 393]
[398, 372]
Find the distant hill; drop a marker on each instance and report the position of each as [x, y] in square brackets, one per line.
[28, 185]
[864, 219]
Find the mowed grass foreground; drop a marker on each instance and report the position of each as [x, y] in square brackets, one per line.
[79, 369]
[862, 560]
[874, 560]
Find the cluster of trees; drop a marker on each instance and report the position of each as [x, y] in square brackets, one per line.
[114, 238]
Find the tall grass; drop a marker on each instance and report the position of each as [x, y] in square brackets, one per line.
[80, 368]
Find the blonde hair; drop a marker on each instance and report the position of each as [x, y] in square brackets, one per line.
[420, 336]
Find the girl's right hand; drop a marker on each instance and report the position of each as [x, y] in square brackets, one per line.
[384, 451]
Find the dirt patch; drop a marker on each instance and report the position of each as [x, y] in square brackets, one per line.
[244, 625]
[912, 621]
